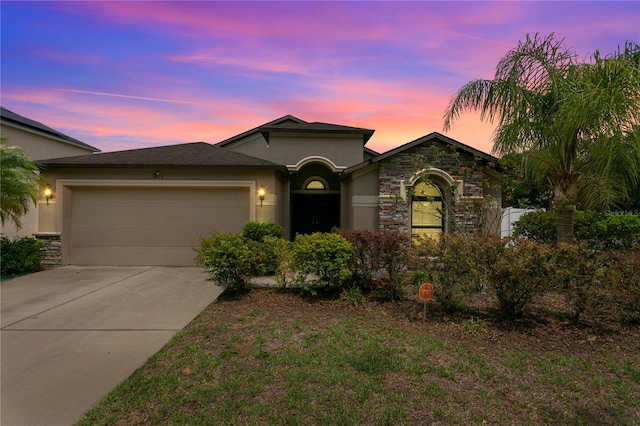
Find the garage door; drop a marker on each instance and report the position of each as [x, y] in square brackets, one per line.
[149, 226]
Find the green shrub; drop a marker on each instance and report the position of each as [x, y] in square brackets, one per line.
[256, 231]
[394, 257]
[608, 231]
[520, 272]
[269, 254]
[20, 256]
[578, 276]
[322, 260]
[379, 261]
[623, 277]
[453, 267]
[365, 261]
[599, 230]
[537, 226]
[276, 253]
[230, 260]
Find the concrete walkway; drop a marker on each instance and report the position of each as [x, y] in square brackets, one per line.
[70, 335]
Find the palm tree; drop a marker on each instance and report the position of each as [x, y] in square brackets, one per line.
[19, 183]
[575, 121]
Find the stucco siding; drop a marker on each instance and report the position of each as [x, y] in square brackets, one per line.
[290, 148]
[37, 147]
[362, 198]
[40, 147]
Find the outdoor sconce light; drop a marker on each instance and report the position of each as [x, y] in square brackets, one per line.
[261, 194]
[48, 193]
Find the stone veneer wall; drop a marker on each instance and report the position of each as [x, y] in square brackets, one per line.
[395, 171]
[52, 249]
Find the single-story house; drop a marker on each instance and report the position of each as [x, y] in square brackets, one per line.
[149, 206]
[38, 141]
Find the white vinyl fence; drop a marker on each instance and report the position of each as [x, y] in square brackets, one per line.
[510, 215]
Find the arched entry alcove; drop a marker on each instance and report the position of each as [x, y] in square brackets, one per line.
[315, 200]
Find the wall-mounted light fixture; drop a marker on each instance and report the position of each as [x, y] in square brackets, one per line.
[48, 193]
[261, 193]
[157, 175]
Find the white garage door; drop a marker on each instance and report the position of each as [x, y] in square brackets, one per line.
[149, 226]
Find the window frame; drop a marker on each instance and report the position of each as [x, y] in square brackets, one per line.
[434, 199]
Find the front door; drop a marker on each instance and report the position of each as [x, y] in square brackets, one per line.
[314, 213]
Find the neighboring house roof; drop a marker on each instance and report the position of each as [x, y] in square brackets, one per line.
[10, 118]
[290, 123]
[188, 154]
[431, 137]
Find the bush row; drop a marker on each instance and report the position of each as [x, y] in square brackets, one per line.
[514, 271]
[362, 260]
[20, 256]
[599, 230]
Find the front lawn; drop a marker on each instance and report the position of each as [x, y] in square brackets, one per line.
[272, 357]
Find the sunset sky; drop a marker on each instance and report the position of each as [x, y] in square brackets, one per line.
[122, 75]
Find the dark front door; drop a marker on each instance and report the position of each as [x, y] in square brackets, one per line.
[314, 213]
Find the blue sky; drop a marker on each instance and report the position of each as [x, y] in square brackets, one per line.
[124, 74]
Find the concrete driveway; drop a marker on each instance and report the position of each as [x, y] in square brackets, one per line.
[69, 335]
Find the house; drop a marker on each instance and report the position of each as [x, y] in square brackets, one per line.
[39, 142]
[149, 206]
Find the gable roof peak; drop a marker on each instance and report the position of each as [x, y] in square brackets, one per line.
[431, 137]
[316, 127]
[249, 132]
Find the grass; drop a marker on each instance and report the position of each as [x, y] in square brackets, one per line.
[272, 359]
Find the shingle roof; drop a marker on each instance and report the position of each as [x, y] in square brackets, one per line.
[290, 123]
[316, 127]
[280, 120]
[188, 154]
[10, 117]
[371, 151]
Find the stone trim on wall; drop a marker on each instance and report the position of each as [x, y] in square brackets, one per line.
[398, 172]
[52, 251]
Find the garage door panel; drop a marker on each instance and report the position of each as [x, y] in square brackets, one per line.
[122, 196]
[134, 256]
[150, 226]
[145, 217]
[136, 236]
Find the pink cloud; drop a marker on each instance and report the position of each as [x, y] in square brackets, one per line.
[338, 51]
[63, 57]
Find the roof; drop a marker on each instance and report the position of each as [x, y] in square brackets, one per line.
[371, 152]
[316, 127]
[431, 137]
[188, 154]
[11, 118]
[290, 123]
[242, 135]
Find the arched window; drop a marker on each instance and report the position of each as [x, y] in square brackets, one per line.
[315, 184]
[427, 210]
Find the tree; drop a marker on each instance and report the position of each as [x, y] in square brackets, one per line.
[575, 121]
[19, 183]
[518, 189]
